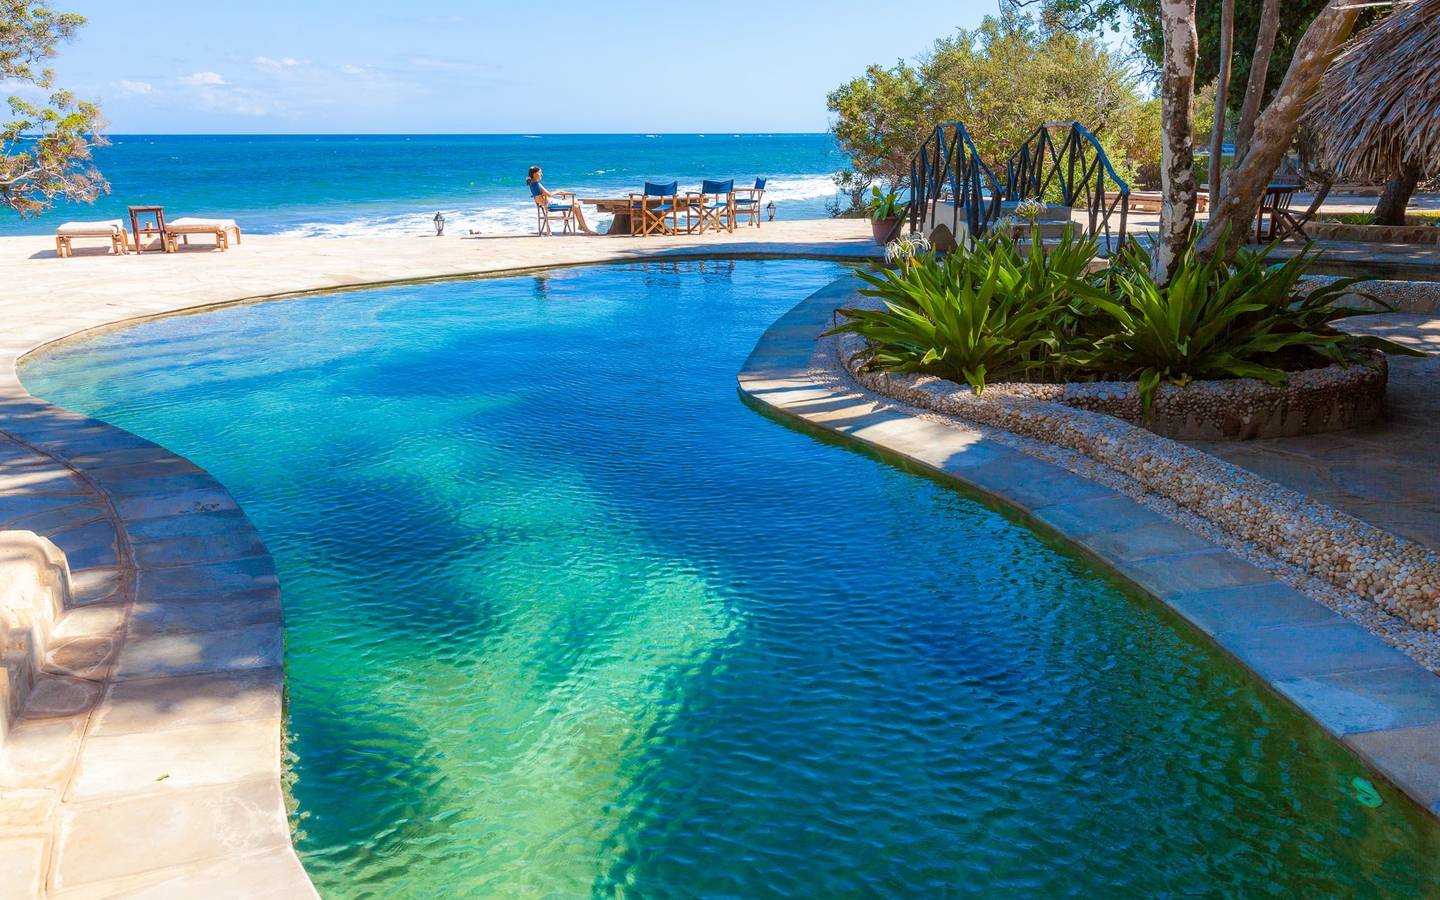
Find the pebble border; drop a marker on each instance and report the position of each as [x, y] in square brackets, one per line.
[1373, 698]
[1332, 398]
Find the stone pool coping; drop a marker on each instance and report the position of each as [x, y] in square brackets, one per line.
[150, 761]
[1374, 699]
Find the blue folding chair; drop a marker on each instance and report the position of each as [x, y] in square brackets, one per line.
[715, 202]
[747, 202]
[548, 212]
[656, 210]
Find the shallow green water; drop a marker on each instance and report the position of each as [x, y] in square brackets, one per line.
[564, 617]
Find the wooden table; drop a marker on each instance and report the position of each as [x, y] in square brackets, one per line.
[158, 214]
[619, 207]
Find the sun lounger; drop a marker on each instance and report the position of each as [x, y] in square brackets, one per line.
[113, 229]
[220, 229]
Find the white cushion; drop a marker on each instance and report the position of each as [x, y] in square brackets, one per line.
[90, 229]
[195, 222]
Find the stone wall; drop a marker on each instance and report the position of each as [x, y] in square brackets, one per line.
[34, 588]
[1385, 234]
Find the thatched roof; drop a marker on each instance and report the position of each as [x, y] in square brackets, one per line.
[1379, 103]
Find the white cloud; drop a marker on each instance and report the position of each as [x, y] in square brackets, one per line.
[270, 64]
[357, 71]
[135, 87]
[207, 78]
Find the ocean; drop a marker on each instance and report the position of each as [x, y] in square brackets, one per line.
[354, 185]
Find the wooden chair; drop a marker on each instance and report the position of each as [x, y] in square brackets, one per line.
[112, 229]
[747, 202]
[219, 229]
[656, 209]
[715, 204]
[547, 213]
[1283, 222]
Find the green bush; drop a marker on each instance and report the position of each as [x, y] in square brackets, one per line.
[993, 313]
[1213, 320]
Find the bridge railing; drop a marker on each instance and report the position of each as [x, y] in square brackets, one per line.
[1076, 168]
[947, 169]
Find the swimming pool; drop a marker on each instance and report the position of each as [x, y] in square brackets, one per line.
[565, 617]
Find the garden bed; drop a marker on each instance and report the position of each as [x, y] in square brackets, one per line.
[1380, 234]
[1332, 398]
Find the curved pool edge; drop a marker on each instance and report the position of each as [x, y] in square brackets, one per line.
[1376, 701]
[204, 669]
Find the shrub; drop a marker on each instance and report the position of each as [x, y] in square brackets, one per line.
[992, 313]
[1215, 320]
[981, 314]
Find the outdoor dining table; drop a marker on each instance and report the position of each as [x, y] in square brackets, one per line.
[619, 207]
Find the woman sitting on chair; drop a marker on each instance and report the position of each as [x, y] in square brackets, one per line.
[556, 199]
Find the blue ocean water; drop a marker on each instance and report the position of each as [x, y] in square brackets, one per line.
[352, 185]
[565, 618]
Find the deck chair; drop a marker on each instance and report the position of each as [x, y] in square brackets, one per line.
[111, 229]
[656, 210]
[715, 204]
[747, 202]
[560, 208]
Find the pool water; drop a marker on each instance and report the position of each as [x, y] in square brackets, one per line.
[565, 617]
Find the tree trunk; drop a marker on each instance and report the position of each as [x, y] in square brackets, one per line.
[1177, 150]
[1244, 184]
[1255, 87]
[1222, 92]
[1391, 208]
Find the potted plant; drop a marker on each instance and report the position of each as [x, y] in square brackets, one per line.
[884, 208]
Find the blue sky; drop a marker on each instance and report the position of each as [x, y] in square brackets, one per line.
[442, 66]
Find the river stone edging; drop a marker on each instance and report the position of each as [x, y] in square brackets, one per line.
[1376, 700]
[1332, 398]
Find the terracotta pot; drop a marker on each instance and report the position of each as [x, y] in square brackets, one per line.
[883, 229]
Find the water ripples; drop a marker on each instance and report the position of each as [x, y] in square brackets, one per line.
[564, 617]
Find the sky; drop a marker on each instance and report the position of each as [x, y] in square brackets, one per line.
[437, 66]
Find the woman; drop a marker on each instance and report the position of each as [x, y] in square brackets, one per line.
[556, 200]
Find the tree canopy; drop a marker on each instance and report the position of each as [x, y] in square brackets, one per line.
[1002, 79]
[46, 142]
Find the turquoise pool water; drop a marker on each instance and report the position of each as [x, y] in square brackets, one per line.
[565, 617]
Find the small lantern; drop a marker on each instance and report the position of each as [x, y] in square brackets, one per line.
[439, 224]
[770, 211]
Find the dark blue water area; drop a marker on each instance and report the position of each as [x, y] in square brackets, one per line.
[362, 185]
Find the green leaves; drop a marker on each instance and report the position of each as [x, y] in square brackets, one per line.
[990, 313]
[993, 313]
[884, 204]
[1246, 319]
[45, 145]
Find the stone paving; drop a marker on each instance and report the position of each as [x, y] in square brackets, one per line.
[1386, 473]
[147, 761]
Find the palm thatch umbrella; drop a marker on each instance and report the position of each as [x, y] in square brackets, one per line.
[1379, 104]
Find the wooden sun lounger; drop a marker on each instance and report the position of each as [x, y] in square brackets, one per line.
[220, 229]
[1150, 201]
[113, 229]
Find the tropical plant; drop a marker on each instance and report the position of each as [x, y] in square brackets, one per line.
[884, 204]
[1031, 210]
[905, 249]
[975, 315]
[1212, 319]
